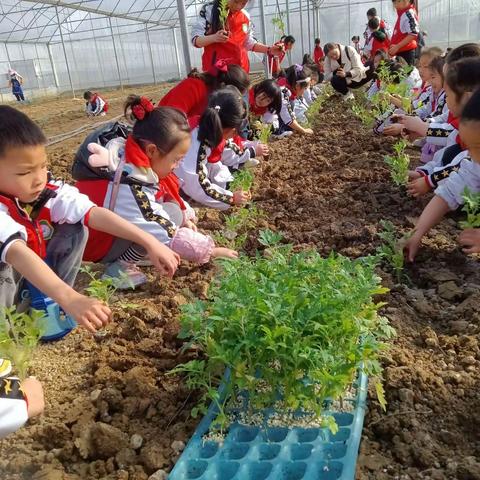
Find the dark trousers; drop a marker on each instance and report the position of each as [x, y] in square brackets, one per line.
[19, 96]
[340, 84]
[408, 56]
[450, 153]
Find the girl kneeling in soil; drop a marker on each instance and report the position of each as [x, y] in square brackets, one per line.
[449, 195]
[293, 86]
[95, 105]
[145, 191]
[462, 78]
[191, 95]
[203, 173]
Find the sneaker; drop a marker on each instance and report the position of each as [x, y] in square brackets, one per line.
[284, 134]
[126, 274]
[348, 96]
[252, 162]
[5, 367]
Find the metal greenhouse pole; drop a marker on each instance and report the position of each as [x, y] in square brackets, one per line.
[64, 52]
[177, 54]
[115, 53]
[52, 64]
[301, 24]
[309, 43]
[151, 54]
[264, 33]
[289, 32]
[182, 16]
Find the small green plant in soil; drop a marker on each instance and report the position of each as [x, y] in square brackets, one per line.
[19, 336]
[242, 180]
[293, 324]
[365, 115]
[264, 133]
[472, 209]
[223, 12]
[269, 238]
[398, 163]
[391, 250]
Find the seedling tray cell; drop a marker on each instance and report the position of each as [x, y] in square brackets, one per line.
[276, 453]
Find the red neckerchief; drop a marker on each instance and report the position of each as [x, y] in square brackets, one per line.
[169, 189]
[253, 106]
[216, 152]
[283, 83]
[135, 155]
[455, 123]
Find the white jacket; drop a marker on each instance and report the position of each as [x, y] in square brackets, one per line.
[13, 407]
[352, 62]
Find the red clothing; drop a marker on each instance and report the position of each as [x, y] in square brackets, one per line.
[238, 27]
[317, 56]
[379, 45]
[190, 96]
[253, 107]
[282, 82]
[274, 61]
[455, 122]
[398, 35]
[93, 102]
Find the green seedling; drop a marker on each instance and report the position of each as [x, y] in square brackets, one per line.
[242, 180]
[391, 250]
[264, 133]
[223, 12]
[293, 325]
[278, 23]
[398, 163]
[269, 238]
[19, 336]
[472, 208]
[365, 115]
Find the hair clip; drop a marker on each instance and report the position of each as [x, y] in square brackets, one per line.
[217, 108]
[298, 68]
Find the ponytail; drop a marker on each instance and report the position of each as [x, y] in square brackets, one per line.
[226, 109]
[221, 75]
[162, 126]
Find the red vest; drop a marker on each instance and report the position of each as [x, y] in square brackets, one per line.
[93, 102]
[99, 243]
[190, 96]
[398, 35]
[274, 61]
[378, 45]
[35, 236]
[238, 25]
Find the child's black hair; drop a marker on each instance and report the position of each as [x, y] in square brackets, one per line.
[18, 130]
[436, 65]
[271, 89]
[317, 41]
[235, 76]
[163, 126]
[471, 111]
[374, 23]
[87, 95]
[226, 109]
[372, 12]
[297, 74]
[288, 39]
[463, 76]
[467, 50]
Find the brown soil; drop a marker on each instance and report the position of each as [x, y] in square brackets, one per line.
[329, 192]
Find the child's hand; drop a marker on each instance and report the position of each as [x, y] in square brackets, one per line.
[88, 312]
[221, 36]
[340, 73]
[307, 131]
[33, 391]
[413, 124]
[163, 259]
[418, 187]
[413, 175]
[261, 149]
[189, 224]
[240, 197]
[222, 252]
[393, 130]
[411, 247]
[470, 238]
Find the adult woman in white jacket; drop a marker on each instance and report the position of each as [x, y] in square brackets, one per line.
[344, 69]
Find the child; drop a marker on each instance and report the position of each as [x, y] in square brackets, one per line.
[405, 33]
[15, 81]
[203, 176]
[95, 105]
[318, 55]
[377, 39]
[356, 44]
[19, 401]
[42, 225]
[265, 101]
[275, 61]
[191, 95]
[293, 85]
[144, 191]
[448, 196]
[462, 78]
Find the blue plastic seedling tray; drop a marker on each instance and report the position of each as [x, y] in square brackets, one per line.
[276, 453]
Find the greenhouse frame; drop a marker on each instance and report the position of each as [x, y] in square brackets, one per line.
[66, 45]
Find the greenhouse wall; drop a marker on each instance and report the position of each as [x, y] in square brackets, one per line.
[157, 56]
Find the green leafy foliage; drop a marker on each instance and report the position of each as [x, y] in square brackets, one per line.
[237, 225]
[242, 180]
[19, 336]
[104, 288]
[264, 133]
[398, 163]
[317, 104]
[269, 238]
[472, 208]
[278, 23]
[392, 248]
[293, 324]
[366, 116]
[223, 12]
